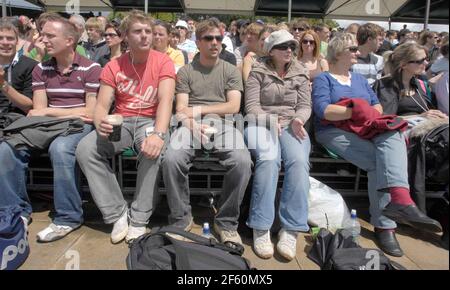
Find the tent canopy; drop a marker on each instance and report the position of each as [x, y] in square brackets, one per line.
[370, 10]
[22, 4]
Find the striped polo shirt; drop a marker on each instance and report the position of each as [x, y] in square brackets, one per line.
[67, 90]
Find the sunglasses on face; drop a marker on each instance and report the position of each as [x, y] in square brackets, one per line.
[110, 35]
[179, 27]
[298, 29]
[218, 38]
[285, 46]
[306, 42]
[353, 49]
[420, 61]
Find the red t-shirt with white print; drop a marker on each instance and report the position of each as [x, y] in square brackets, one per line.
[137, 94]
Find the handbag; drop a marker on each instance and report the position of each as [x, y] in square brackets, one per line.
[14, 247]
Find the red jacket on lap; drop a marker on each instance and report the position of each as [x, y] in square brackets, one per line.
[366, 121]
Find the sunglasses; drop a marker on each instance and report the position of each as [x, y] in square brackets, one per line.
[305, 41]
[298, 29]
[353, 49]
[420, 61]
[218, 38]
[285, 46]
[110, 35]
[180, 27]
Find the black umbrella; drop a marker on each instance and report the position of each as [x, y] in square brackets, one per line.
[326, 243]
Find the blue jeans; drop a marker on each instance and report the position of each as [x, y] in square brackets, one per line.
[269, 150]
[66, 195]
[384, 158]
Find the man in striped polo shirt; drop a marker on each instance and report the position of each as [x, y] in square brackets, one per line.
[370, 38]
[65, 86]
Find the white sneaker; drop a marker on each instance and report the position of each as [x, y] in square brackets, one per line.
[228, 235]
[120, 229]
[262, 245]
[287, 244]
[54, 232]
[134, 233]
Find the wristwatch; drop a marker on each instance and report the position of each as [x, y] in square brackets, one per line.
[4, 85]
[159, 134]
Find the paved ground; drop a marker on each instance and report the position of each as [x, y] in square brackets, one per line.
[91, 244]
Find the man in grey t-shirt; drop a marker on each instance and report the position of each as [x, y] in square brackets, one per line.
[207, 90]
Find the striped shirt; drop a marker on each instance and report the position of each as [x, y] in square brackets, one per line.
[370, 67]
[67, 90]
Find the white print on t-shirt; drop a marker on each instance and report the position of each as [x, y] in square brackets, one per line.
[131, 87]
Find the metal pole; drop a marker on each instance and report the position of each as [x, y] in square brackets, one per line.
[290, 11]
[427, 15]
[146, 6]
[4, 8]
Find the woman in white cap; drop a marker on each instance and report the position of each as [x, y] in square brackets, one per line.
[278, 99]
[185, 43]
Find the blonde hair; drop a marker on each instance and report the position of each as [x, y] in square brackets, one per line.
[133, 17]
[337, 45]
[254, 29]
[95, 23]
[401, 55]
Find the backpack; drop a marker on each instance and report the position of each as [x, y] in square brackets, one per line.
[14, 248]
[160, 251]
[361, 259]
[436, 153]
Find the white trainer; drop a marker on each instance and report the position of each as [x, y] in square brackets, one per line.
[120, 229]
[134, 233]
[54, 232]
[262, 245]
[287, 244]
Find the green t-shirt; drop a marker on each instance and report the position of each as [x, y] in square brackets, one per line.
[34, 53]
[208, 86]
[323, 48]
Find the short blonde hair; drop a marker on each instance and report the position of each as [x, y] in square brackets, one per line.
[337, 45]
[133, 17]
[95, 23]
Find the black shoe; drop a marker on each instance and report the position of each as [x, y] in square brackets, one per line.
[444, 240]
[412, 216]
[388, 243]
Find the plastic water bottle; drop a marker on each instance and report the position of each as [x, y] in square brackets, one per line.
[354, 226]
[206, 232]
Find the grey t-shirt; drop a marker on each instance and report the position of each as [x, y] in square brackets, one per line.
[208, 86]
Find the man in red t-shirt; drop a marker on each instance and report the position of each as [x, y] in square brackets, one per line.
[141, 83]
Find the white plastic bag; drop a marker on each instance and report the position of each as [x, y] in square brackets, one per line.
[327, 208]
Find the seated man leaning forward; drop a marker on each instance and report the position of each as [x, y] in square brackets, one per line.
[142, 84]
[65, 86]
[208, 88]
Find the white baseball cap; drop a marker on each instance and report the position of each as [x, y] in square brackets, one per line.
[182, 23]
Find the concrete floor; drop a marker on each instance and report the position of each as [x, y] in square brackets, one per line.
[91, 246]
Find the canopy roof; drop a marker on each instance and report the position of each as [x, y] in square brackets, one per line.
[369, 10]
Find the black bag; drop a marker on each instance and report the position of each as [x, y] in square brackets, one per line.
[361, 259]
[160, 251]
